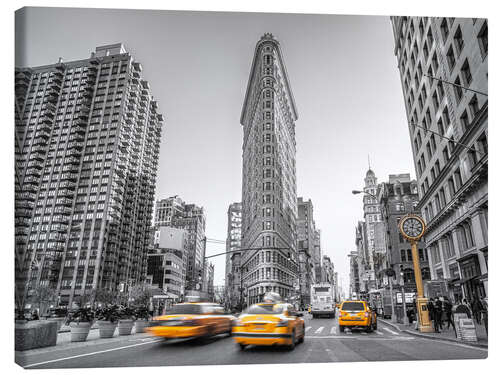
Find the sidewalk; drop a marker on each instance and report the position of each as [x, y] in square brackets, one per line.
[446, 334]
[64, 340]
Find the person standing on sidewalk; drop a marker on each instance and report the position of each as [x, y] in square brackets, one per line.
[439, 314]
[432, 313]
[484, 312]
[448, 311]
[476, 309]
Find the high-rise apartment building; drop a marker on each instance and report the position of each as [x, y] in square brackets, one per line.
[448, 126]
[233, 277]
[269, 197]
[306, 240]
[87, 141]
[173, 212]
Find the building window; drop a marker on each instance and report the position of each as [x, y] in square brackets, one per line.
[464, 120]
[435, 62]
[459, 42]
[458, 179]
[442, 196]
[440, 127]
[466, 74]
[473, 107]
[444, 29]
[458, 90]
[482, 142]
[446, 117]
[472, 155]
[430, 38]
[451, 187]
[440, 90]
[450, 57]
[403, 255]
[483, 39]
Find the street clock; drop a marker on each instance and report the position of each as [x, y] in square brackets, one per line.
[412, 227]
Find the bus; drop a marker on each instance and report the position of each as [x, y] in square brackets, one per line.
[322, 300]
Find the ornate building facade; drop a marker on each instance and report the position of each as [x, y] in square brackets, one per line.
[269, 197]
[448, 127]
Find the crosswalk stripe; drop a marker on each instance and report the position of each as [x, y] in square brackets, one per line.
[349, 332]
[363, 333]
[391, 331]
[378, 333]
[333, 330]
[308, 328]
[319, 330]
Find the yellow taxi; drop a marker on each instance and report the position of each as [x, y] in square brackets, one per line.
[269, 323]
[357, 314]
[192, 320]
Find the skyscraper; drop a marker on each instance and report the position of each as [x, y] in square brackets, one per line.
[173, 212]
[306, 239]
[448, 127]
[269, 198]
[371, 212]
[233, 258]
[87, 145]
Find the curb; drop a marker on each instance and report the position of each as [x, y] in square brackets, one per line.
[476, 344]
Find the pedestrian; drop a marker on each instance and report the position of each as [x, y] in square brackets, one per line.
[448, 312]
[484, 303]
[476, 309]
[34, 315]
[439, 313]
[432, 313]
[466, 307]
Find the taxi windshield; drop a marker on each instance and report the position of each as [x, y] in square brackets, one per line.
[353, 306]
[185, 309]
[264, 309]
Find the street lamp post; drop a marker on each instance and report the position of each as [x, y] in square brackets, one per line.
[412, 227]
[402, 283]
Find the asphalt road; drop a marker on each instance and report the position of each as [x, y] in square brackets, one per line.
[323, 343]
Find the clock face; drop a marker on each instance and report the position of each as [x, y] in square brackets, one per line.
[413, 227]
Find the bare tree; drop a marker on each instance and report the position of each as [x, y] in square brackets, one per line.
[43, 296]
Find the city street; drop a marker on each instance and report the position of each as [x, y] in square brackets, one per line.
[323, 343]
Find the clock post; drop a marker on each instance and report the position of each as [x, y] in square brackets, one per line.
[412, 227]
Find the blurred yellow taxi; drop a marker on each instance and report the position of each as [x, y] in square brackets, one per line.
[192, 320]
[269, 323]
[357, 314]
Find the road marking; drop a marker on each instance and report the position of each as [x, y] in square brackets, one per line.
[93, 353]
[319, 330]
[363, 333]
[308, 328]
[333, 330]
[391, 331]
[374, 338]
[348, 332]
[379, 333]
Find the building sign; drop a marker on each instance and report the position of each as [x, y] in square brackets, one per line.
[408, 297]
[171, 238]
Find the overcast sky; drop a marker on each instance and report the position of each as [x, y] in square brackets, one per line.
[343, 75]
